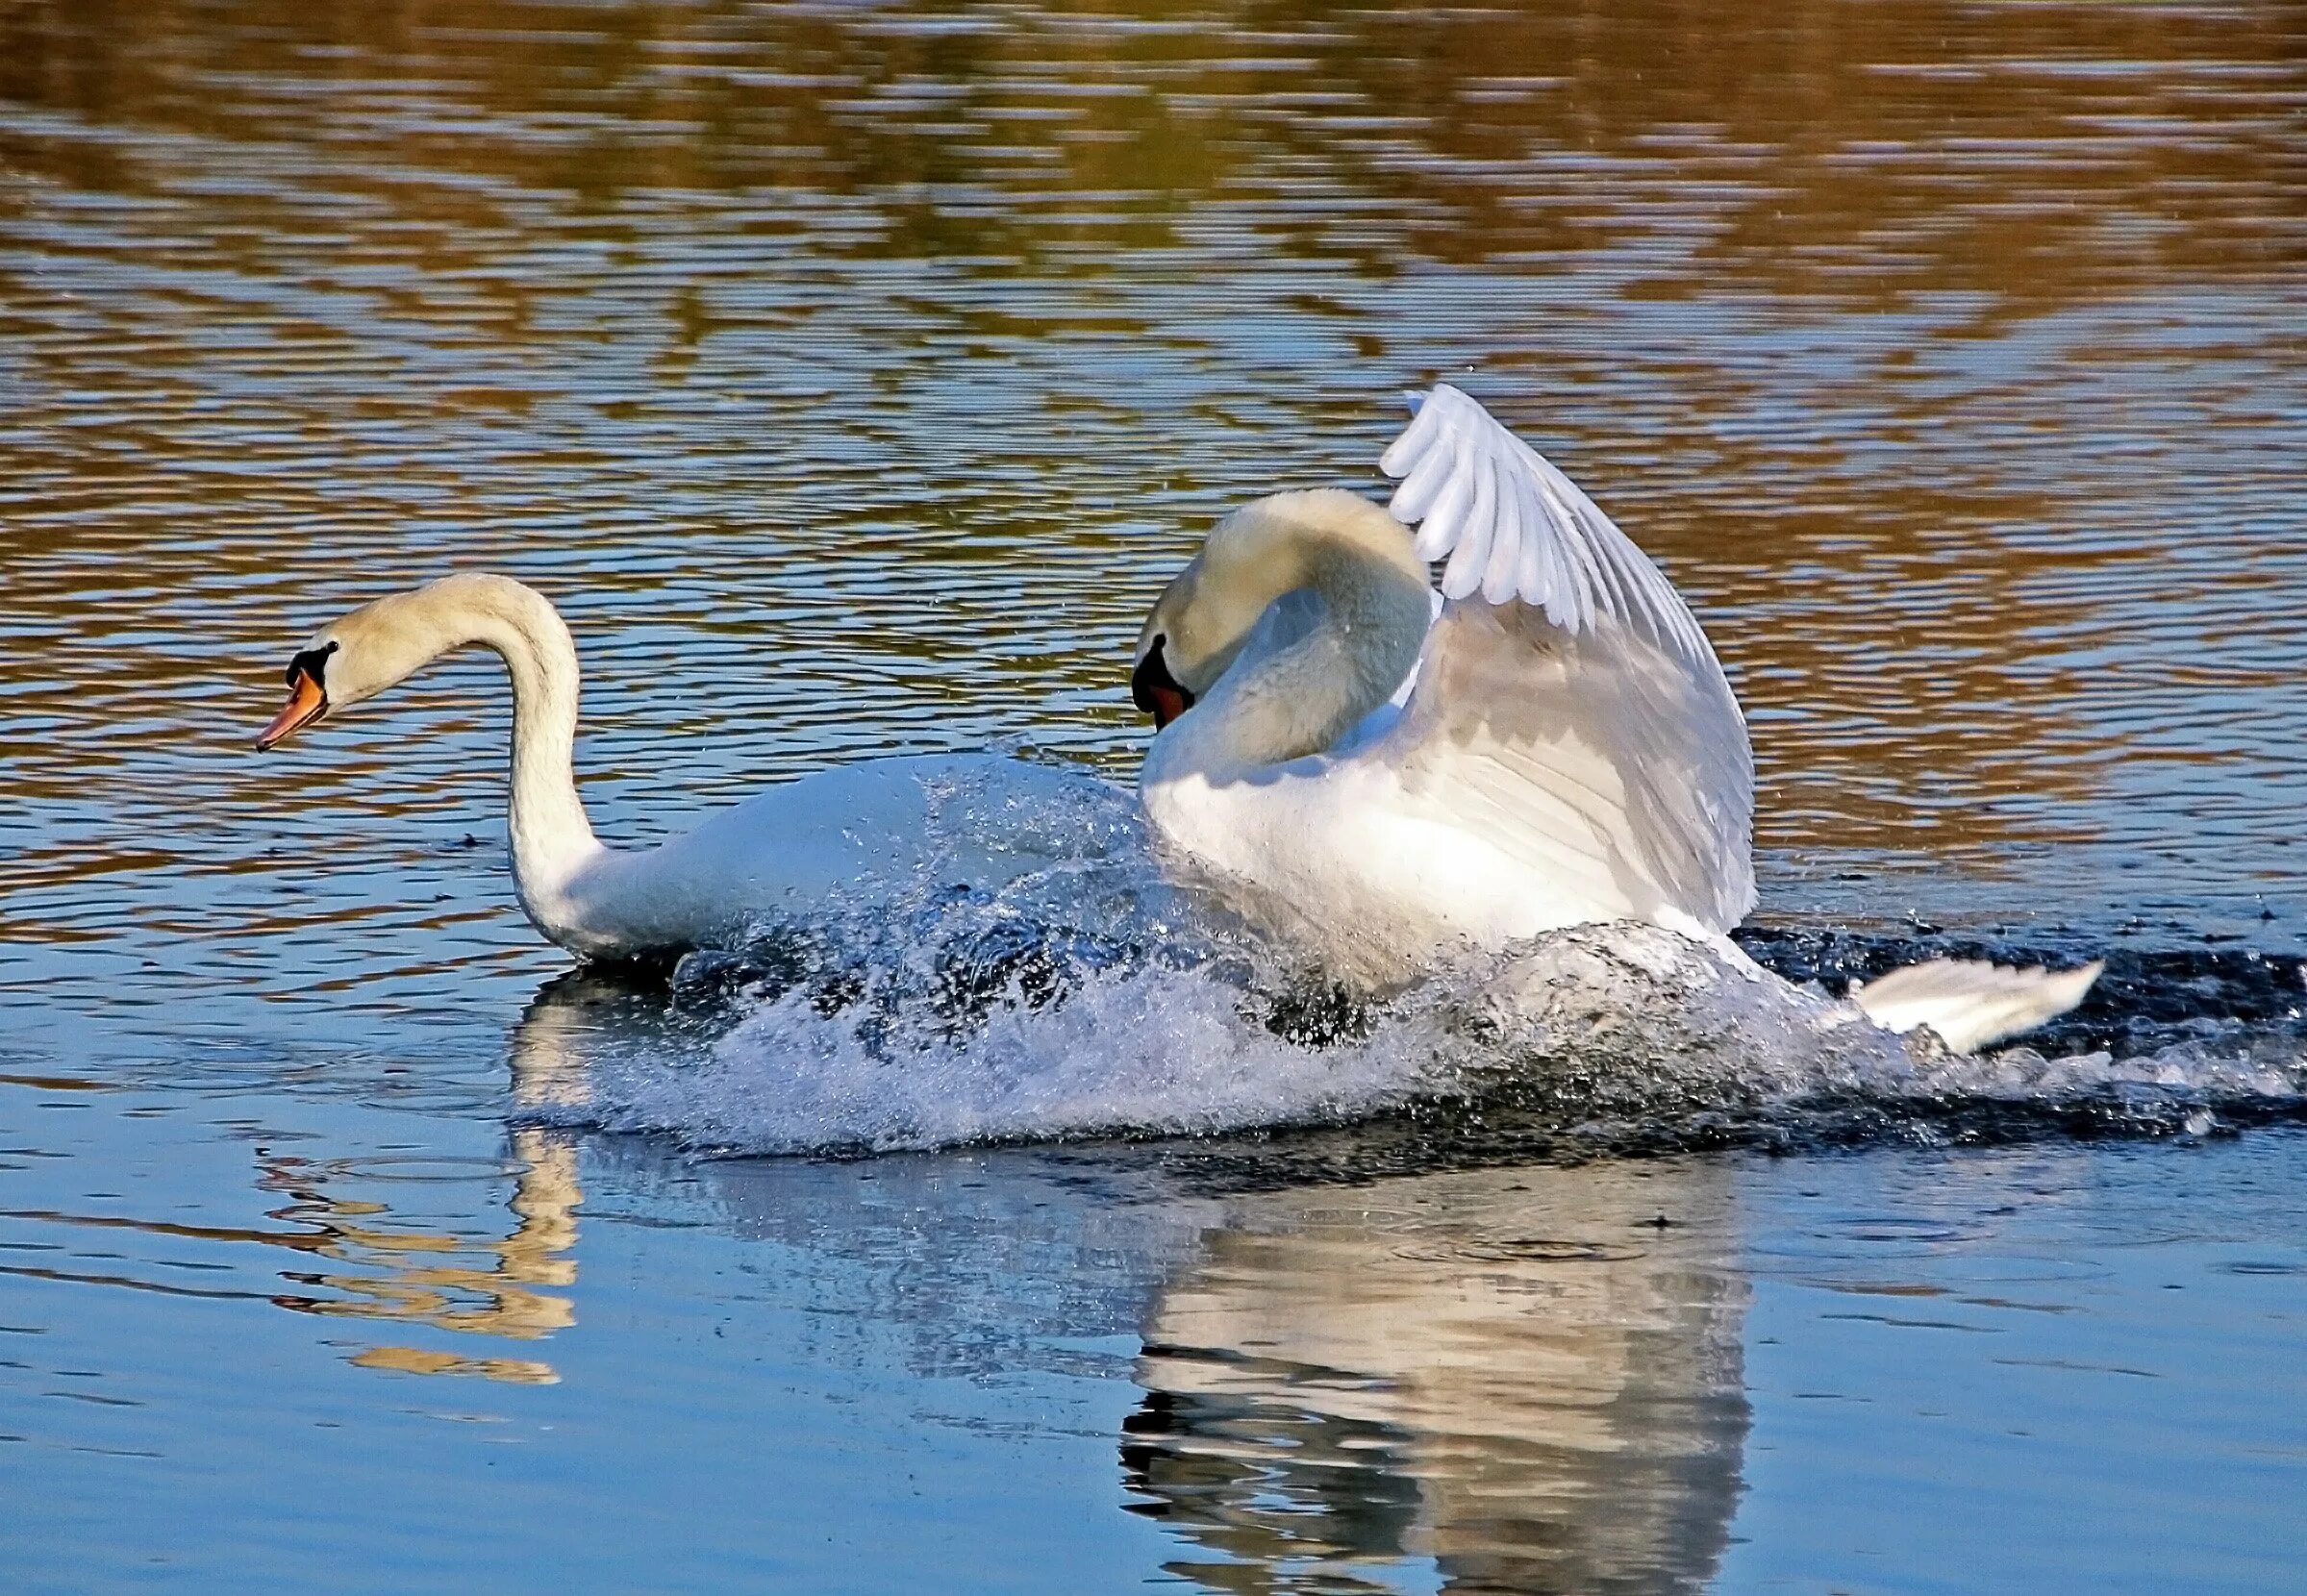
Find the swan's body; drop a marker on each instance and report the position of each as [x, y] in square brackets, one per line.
[1394, 777]
[843, 838]
[852, 838]
[1527, 783]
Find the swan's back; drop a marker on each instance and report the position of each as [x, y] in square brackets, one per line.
[854, 839]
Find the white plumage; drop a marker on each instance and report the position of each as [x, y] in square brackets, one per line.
[1568, 750]
[1575, 712]
[1512, 526]
[856, 836]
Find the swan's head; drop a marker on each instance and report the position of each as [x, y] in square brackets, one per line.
[375, 647]
[1261, 553]
[1175, 636]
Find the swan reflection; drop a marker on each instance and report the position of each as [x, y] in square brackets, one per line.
[509, 1286]
[1508, 1380]
[1511, 1380]
[1516, 1373]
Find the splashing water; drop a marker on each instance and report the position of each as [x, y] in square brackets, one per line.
[1092, 1000]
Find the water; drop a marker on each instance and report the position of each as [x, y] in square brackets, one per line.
[852, 376]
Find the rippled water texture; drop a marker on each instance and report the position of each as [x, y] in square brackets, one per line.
[852, 376]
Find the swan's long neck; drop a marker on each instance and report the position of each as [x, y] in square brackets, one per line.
[551, 837]
[1349, 629]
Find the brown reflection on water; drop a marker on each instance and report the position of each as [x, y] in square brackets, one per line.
[1847, 126]
[376, 1241]
[853, 377]
[408, 1276]
[382, 1270]
[1517, 1375]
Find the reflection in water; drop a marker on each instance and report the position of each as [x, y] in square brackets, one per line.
[492, 1286]
[377, 1269]
[512, 1287]
[1517, 1375]
[874, 365]
[385, 1271]
[410, 1277]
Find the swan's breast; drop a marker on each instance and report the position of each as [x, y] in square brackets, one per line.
[1342, 856]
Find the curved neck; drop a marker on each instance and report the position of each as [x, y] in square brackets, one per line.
[551, 837]
[1344, 630]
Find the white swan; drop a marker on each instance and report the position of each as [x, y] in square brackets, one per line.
[1389, 774]
[840, 836]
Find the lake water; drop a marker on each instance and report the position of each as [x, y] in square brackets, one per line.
[853, 375]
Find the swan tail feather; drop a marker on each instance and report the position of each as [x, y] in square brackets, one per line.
[1971, 1003]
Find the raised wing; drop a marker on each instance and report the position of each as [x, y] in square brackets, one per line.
[1512, 527]
[1568, 707]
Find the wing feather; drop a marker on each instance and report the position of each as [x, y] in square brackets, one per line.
[1569, 707]
[1515, 511]
[1422, 470]
[1502, 575]
[1581, 574]
[1406, 453]
[1445, 523]
[1449, 447]
[1470, 560]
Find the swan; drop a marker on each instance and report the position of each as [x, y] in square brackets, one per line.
[1389, 773]
[851, 835]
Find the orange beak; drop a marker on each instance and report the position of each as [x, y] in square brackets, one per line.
[307, 704]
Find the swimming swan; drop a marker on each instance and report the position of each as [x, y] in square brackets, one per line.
[1388, 773]
[876, 826]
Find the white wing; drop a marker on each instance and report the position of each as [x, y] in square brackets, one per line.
[1568, 705]
[1514, 527]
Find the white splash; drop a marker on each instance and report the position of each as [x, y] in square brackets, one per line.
[911, 1034]
[1147, 1051]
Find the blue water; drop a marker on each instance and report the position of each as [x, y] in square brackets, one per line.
[853, 377]
[322, 1349]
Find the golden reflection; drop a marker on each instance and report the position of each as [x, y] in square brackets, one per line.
[513, 1371]
[419, 1277]
[868, 346]
[1828, 137]
[500, 1286]
[875, 363]
[381, 1271]
[412, 1276]
[1521, 1375]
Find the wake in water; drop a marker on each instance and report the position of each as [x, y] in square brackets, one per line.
[1092, 1001]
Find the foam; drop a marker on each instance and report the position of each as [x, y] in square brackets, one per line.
[1149, 1052]
[978, 1020]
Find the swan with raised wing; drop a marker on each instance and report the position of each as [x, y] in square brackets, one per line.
[847, 835]
[1390, 774]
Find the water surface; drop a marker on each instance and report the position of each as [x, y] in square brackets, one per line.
[852, 376]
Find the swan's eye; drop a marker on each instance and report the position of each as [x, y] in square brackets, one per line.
[312, 662]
